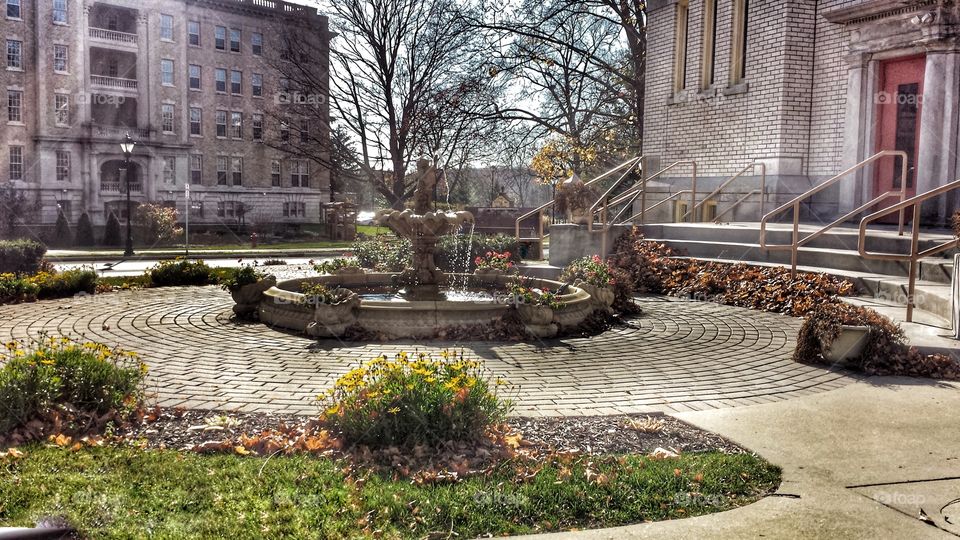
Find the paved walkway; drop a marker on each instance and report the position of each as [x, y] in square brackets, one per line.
[860, 462]
[679, 356]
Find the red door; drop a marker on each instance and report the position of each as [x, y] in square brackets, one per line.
[898, 114]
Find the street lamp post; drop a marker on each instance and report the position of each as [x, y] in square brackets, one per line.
[127, 147]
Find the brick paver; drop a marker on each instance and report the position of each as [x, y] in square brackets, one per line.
[677, 356]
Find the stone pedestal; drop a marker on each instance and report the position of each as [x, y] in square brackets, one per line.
[569, 242]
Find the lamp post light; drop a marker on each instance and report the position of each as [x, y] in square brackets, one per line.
[127, 147]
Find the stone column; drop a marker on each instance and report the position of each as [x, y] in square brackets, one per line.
[855, 130]
[144, 93]
[937, 160]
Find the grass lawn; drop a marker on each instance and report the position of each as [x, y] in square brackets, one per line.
[373, 230]
[113, 492]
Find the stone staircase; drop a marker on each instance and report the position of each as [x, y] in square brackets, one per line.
[834, 253]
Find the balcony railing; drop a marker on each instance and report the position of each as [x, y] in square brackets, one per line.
[120, 131]
[113, 35]
[113, 82]
[107, 186]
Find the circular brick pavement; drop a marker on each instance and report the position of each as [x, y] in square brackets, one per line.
[678, 356]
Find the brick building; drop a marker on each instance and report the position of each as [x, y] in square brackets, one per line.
[809, 88]
[194, 82]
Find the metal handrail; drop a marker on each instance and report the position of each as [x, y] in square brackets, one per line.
[540, 209]
[794, 246]
[639, 190]
[727, 182]
[915, 254]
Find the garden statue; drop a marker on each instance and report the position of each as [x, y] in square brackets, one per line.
[423, 228]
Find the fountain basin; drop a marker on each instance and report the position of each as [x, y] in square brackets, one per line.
[282, 306]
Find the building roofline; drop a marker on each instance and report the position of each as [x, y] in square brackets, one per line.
[874, 9]
[275, 8]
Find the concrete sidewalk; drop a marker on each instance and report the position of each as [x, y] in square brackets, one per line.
[861, 461]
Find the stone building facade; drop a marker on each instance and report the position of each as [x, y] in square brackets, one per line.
[193, 82]
[809, 88]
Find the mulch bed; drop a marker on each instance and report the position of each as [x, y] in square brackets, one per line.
[179, 429]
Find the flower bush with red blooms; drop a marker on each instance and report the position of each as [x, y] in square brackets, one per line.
[494, 261]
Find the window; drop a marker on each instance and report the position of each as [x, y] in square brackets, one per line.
[299, 174]
[220, 38]
[60, 12]
[196, 121]
[237, 170]
[169, 170]
[236, 125]
[14, 105]
[236, 82]
[113, 21]
[680, 46]
[294, 209]
[738, 54]
[113, 68]
[221, 121]
[166, 27]
[61, 109]
[256, 83]
[63, 166]
[16, 163]
[284, 131]
[14, 54]
[221, 209]
[286, 209]
[196, 169]
[166, 117]
[256, 43]
[275, 173]
[304, 130]
[257, 127]
[194, 71]
[222, 170]
[13, 9]
[234, 40]
[220, 75]
[193, 33]
[60, 60]
[166, 72]
[709, 43]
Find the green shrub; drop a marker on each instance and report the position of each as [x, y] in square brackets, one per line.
[414, 399]
[20, 256]
[383, 254]
[180, 272]
[334, 265]
[88, 378]
[65, 283]
[15, 289]
[85, 231]
[234, 278]
[111, 233]
[62, 235]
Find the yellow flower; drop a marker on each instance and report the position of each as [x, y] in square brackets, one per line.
[393, 410]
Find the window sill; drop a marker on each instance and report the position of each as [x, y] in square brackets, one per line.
[58, 23]
[15, 19]
[257, 97]
[196, 89]
[165, 40]
[19, 70]
[55, 72]
[166, 85]
[741, 87]
[169, 132]
[15, 123]
[194, 136]
[691, 96]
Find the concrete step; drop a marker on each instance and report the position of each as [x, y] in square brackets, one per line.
[842, 237]
[932, 298]
[823, 258]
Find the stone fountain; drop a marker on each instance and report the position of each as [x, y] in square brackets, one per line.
[421, 310]
[423, 228]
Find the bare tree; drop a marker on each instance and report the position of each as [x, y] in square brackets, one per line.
[404, 82]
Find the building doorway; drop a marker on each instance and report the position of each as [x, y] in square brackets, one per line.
[899, 101]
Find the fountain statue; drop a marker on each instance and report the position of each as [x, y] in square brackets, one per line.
[423, 228]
